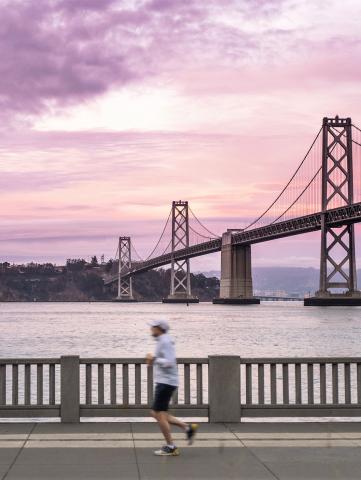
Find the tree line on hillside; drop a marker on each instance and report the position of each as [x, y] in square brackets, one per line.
[79, 280]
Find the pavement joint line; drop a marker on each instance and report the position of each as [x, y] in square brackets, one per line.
[266, 467]
[81, 436]
[18, 453]
[234, 434]
[120, 440]
[200, 444]
[135, 452]
[184, 445]
[247, 436]
[297, 436]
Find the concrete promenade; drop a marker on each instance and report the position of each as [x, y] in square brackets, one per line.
[104, 451]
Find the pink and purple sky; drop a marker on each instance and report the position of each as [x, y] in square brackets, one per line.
[111, 109]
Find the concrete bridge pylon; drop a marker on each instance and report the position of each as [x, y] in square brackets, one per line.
[236, 286]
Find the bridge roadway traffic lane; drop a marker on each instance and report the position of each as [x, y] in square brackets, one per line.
[250, 451]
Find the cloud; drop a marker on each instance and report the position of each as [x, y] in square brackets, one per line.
[35, 181]
[61, 52]
[254, 68]
[65, 52]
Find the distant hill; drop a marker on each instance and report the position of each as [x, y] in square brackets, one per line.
[288, 279]
[79, 280]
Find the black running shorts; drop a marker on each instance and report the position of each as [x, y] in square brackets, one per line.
[162, 396]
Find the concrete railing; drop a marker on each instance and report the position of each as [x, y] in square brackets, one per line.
[222, 388]
[320, 387]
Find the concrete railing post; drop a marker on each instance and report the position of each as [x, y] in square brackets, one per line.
[224, 388]
[70, 389]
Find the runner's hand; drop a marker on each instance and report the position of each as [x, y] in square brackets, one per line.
[149, 358]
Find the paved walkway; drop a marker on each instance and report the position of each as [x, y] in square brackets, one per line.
[104, 451]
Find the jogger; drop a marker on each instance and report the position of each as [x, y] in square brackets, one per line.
[166, 382]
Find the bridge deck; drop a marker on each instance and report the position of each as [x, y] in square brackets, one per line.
[104, 451]
[296, 226]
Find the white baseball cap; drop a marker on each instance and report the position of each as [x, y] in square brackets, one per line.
[163, 324]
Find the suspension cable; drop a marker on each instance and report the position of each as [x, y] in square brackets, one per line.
[136, 252]
[160, 238]
[201, 224]
[166, 248]
[303, 191]
[354, 141]
[199, 234]
[299, 196]
[357, 128]
[288, 183]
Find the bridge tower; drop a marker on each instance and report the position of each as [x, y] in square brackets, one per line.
[180, 282]
[338, 263]
[236, 274]
[125, 288]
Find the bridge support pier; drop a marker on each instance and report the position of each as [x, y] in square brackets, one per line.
[338, 282]
[236, 274]
[180, 282]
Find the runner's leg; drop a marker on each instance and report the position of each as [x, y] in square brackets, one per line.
[176, 421]
[162, 419]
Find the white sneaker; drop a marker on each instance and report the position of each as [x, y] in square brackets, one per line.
[167, 451]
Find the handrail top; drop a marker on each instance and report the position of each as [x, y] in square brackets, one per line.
[95, 360]
[30, 361]
[297, 360]
[139, 360]
[181, 360]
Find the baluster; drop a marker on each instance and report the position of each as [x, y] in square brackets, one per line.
[298, 383]
[285, 384]
[39, 384]
[248, 383]
[187, 384]
[347, 383]
[150, 384]
[100, 384]
[174, 399]
[125, 372]
[199, 384]
[260, 383]
[113, 383]
[359, 383]
[88, 384]
[138, 386]
[335, 383]
[323, 390]
[310, 384]
[27, 388]
[273, 383]
[52, 384]
[15, 372]
[3, 384]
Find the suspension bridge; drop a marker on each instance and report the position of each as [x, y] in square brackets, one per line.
[324, 193]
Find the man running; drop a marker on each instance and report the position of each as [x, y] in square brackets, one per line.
[166, 382]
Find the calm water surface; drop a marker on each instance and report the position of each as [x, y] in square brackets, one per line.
[112, 329]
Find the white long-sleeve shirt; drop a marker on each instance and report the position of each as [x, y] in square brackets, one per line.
[165, 361]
